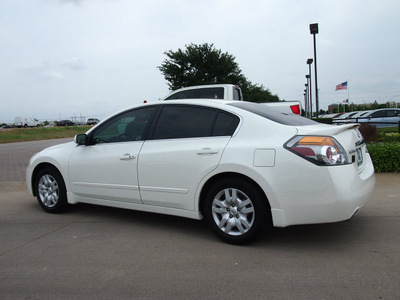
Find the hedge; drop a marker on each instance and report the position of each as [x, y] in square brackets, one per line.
[385, 156]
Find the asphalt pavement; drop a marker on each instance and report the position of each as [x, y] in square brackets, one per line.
[14, 157]
[94, 252]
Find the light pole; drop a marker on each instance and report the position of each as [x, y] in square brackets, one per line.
[306, 102]
[314, 31]
[309, 108]
[309, 62]
[309, 91]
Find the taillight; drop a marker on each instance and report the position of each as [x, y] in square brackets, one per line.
[321, 150]
[295, 109]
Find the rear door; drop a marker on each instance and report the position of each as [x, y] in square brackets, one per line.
[392, 118]
[187, 143]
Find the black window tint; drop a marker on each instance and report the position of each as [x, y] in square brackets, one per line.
[206, 93]
[379, 114]
[392, 113]
[211, 93]
[189, 94]
[184, 122]
[225, 125]
[273, 114]
[128, 126]
[350, 115]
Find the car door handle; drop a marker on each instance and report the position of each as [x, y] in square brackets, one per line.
[206, 151]
[127, 156]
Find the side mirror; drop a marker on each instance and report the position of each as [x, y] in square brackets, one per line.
[81, 139]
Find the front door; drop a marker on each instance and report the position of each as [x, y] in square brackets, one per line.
[106, 169]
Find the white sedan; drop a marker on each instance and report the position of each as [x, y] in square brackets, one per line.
[242, 166]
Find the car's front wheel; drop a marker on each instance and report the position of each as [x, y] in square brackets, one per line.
[236, 210]
[50, 190]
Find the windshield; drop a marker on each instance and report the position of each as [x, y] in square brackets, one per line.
[273, 114]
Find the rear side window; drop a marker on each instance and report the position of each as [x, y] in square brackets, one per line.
[225, 124]
[392, 113]
[180, 121]
[273, 114]
[236, 94]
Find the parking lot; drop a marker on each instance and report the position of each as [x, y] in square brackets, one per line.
[96, 252]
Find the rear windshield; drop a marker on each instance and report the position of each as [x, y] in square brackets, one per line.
[273, 114]
[205, 93]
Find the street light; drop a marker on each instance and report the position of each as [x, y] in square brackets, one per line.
[314, 31]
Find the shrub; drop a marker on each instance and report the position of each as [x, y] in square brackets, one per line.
[385, 156]
[369, 133]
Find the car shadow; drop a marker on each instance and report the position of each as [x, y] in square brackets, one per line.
[323, 235]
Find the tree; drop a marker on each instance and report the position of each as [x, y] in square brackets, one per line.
[199, 64]
[257, 93]
[203, 64]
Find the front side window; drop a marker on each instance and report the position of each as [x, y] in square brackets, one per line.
[128, 126]
[193, 121]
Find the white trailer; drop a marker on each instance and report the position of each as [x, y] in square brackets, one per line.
[26, 122]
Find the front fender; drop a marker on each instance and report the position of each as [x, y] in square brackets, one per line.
[56, 156]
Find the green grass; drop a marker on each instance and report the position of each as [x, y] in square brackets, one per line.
[41, 133]
[388, 129]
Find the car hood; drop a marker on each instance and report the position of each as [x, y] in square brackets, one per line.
[60, 150]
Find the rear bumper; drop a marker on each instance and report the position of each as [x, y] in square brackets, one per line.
[347, 190]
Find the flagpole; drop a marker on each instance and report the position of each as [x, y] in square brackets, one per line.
[348, 92]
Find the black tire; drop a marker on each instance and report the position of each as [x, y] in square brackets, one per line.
[236, 211]
[50, 190]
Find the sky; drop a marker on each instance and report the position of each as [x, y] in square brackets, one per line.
[64, 59]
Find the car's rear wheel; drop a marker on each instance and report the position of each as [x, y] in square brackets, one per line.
[50, 190]
[236, 210]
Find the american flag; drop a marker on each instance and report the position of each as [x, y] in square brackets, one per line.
[346, 101]
[342, 86]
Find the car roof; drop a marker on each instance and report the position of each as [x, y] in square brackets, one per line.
[381, 109]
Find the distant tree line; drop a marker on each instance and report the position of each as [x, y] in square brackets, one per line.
[357, 107]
